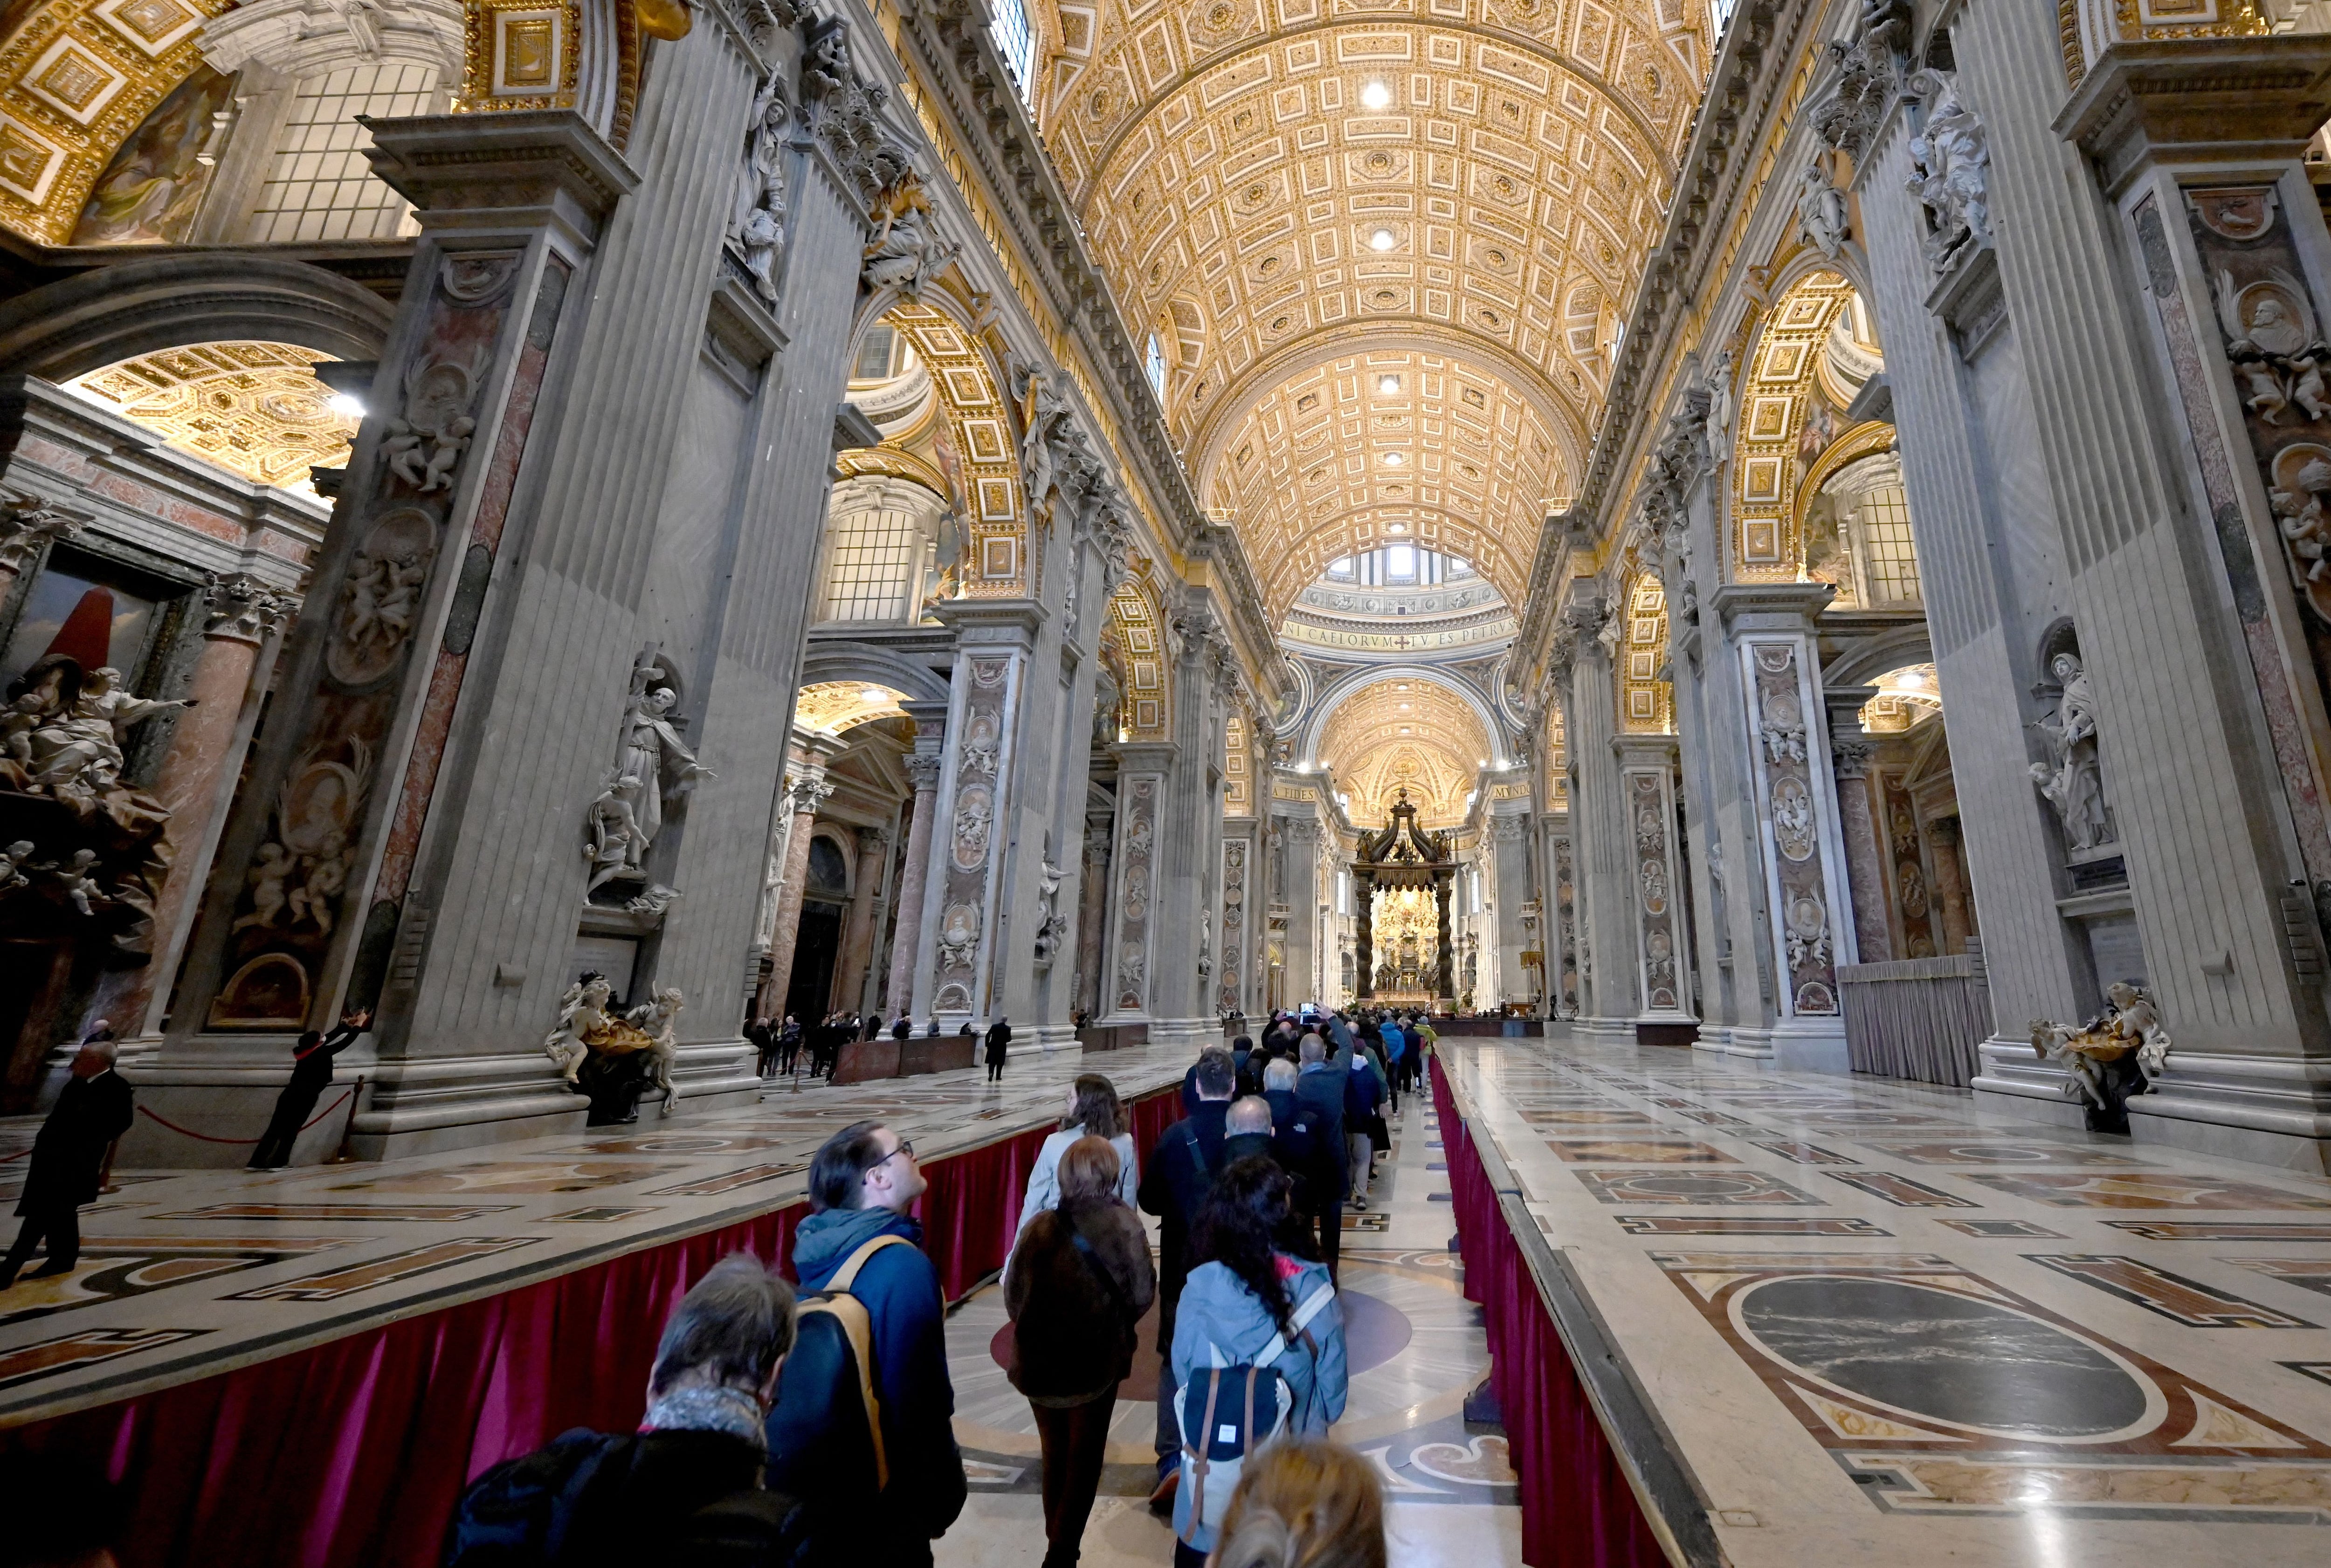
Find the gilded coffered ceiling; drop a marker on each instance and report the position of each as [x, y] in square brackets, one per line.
[253, 408]
[1405, 733]
[76, 78]
[1287, 191]
[1382, 447]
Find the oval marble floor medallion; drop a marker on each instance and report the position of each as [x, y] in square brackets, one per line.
[1941, 1357]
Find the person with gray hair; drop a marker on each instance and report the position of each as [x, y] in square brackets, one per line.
[686, 1488]
[68, 1155]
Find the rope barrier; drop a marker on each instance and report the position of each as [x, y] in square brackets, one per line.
[243, 1143]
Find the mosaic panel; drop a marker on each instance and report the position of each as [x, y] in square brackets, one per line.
[1744, 1225]
[25, 1364]
[2001, 1230]
[1951, 1395]
[1638, 1151]
[2306, 1273]
[1900, 1191]
[317, 1213]
[1973, 1153]
[117, 1268]
[1803, 1153]
[1727, 1188]
[512, 1176]
[371, 1275]
[2173, 1296]
[2221, 1230]
[2069, 1190]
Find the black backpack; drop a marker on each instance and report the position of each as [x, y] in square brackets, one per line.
[825, 1428]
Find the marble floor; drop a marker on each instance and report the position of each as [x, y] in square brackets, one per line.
[1416, 1349]
[183, 1274]
[1878, 1325]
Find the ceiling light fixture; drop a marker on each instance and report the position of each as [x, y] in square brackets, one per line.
[1375, 95]
[1383, 240]
[1394, 460]
[874, 694]
[1387, 385]
[346, 405]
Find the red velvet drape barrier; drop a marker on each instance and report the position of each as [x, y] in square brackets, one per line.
[1577, 1509]
[352, 1454]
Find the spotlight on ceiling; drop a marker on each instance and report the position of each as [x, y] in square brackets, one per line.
[1395, 528]
[1394, 460]
[1375, 95]
[1387, 385]
[346, 405]
[874, 694]
[1383, 240]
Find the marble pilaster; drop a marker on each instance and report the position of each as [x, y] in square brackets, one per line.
[1661, 952]
[1509, 893]
[1770, 627]
[867, 897]
[1130, 959]
[1858, 818]
[923, 771]
[804, 793]
[1605, 863]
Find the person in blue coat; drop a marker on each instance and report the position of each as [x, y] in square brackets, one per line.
[1246, 1297]
[861, 1184]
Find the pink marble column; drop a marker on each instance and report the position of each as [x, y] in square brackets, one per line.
[196, 779]
[1865, 867]
[858, 930]
[805, 795]
[923, 770]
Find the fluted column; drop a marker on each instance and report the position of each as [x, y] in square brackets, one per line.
[197, 781]
[803, 797]
[923, 771]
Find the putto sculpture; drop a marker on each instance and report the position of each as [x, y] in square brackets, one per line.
[2111, 1057]
[612, 1057]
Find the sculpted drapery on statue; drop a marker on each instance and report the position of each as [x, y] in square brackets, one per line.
[653, 766]
[2074, 784]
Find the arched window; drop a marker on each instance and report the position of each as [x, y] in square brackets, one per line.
[1015, 40]
[1154, 361]
[879, 537]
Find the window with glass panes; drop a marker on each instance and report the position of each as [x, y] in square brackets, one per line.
[318, 184]
[1888, 559]
[871, 561]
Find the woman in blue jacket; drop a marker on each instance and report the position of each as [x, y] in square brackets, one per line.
[1246, 1303]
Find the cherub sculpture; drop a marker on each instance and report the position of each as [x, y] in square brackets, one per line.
[12, 866]
[78, 884]
[657, 1020]
[2131, 1025]
[582, 1013]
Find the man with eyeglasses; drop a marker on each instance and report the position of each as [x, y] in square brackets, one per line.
[861, 1185]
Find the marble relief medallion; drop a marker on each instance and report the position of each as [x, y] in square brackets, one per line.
[1140, 840]
[2071, 1190]
[1943, 1392]
[982, 765]
[1648, 801]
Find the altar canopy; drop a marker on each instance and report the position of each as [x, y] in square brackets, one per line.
[1402, 878]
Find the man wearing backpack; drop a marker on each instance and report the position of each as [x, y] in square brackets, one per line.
[1174, 1186]
[859, 1242]
[686, 1488]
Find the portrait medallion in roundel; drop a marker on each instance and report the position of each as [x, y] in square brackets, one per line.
[1793, 819]
[974, 814]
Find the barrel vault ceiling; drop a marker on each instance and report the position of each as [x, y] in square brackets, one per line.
[1383, 245]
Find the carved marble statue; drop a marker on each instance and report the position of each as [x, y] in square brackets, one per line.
[658, 1021]
[2073, 783]
[12, 866]
[757, 222]
[1821, 208]
[426, 440]
[906, 251]
[1205, 943]
[78, 750]
[1106, 695]
[586, 1023]
[653, 767]
[2271, 338]
[1950, 161]
[1052, 926]
[1719, 405]
[2130, 1027]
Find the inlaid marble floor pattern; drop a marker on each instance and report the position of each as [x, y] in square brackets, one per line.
[1880, 1325]
[183, 1274]
[1416, 1349]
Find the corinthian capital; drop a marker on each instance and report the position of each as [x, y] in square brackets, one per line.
[28, 523]
[239, 605]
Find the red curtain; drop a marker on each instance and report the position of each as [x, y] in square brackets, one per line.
[352, 1453]
[1577, 1509]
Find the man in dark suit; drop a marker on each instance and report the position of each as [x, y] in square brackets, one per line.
[312, 1073]
[93, 1110]
[1319, 1086]
[1174, 1186]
